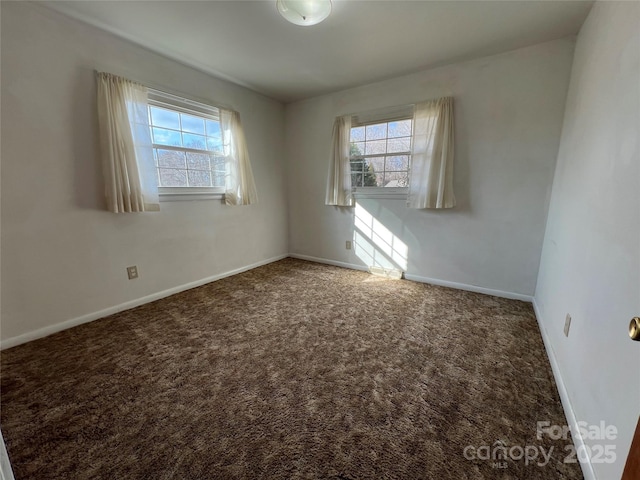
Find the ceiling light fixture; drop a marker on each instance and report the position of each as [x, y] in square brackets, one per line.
[304, 12]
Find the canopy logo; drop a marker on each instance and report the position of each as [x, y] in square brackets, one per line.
[499, 453]
[582, 430]
[598, 450]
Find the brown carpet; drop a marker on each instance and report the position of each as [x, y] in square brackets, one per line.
[291, 370]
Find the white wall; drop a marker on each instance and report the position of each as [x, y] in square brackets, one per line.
[63, 256]
[590, 264]
[508, 110]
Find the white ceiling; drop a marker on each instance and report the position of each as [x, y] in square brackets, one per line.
[248, 42]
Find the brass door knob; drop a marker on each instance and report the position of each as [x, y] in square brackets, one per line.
[634, 329]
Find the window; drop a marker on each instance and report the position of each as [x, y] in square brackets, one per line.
[187, 145]
[381, 154]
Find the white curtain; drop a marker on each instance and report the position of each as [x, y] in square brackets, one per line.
[240, 188]
[131, 182]
[431, 179]
[339, 182]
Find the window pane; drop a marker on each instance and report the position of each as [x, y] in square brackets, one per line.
[198, 161]
[213, 128]
[357, 148]
[170, 158]
[396, 179]
[357, 134]
[357, 168]
[376, 132]
[192, 124]
[199, 178]
[170, 177]
[369, 177]
[218, 180]
[356, 180]
[191, 140]
[376, 163]
[161, 117]
[375, 141]
[173, 132]
[398, 145]
[218, 163]
[401, 128]
[166, 137]
[356, 165]
[214, 144]
[374, 172]
[376, 147]
[400, 162]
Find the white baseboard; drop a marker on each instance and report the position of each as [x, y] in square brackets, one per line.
[470, 288]
[5, 466]
[417, 278]
[326, 261]
[587, 467]
[43, 332]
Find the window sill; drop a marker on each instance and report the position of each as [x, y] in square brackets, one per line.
[390, 193]
[180, 194]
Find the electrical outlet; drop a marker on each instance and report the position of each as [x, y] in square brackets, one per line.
[567, 324]
[348, 244]
[132, 272]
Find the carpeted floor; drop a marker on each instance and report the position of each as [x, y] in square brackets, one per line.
[291, 370]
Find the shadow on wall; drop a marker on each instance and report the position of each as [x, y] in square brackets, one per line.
[375, 244]
[89, 182]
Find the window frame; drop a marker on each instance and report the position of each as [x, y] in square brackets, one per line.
[399, 193]
[157, 98]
